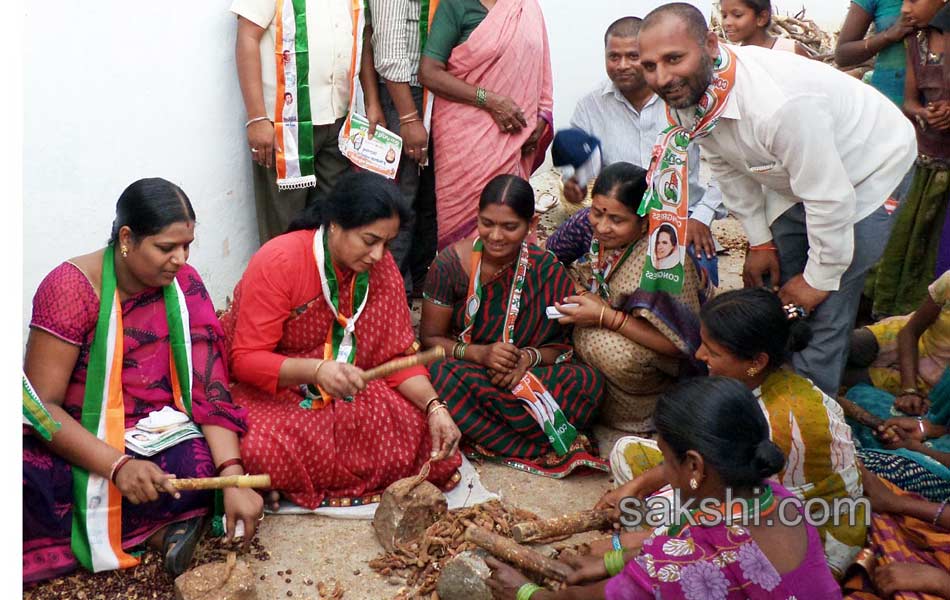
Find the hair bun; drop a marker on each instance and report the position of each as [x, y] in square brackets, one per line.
[768, 459]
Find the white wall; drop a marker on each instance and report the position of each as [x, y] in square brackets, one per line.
[115, 91]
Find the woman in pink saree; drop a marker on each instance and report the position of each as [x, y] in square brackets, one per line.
[488, 64]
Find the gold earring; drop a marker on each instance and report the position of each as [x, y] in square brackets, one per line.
[693, 484]
[125, 251]
[752, 372]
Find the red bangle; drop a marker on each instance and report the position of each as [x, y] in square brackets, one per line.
[229, 463]
[117, 466]
[765, 246]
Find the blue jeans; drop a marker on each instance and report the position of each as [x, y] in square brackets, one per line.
[824, 359]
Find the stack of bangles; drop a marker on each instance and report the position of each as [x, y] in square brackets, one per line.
[614, 562]
[410, 118]
[117, 466]
[458, 351]
[434, 405]
[616, 322]
[534, 354]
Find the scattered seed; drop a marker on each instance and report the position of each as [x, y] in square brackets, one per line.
[289, 593]
[287, 580]
[308, 581]
[356, 571]
[290, 571]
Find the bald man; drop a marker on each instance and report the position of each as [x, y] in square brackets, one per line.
[797, 149]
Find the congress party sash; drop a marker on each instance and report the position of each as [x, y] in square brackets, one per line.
[667, 196]
[538, 401]
[97, 508]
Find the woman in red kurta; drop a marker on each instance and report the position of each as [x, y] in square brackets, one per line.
[325, 437]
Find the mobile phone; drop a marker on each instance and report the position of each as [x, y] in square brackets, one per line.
[554, 313]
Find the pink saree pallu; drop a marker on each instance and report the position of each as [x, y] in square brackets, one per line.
[507, 54]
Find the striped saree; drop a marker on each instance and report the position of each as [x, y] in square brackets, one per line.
[494, 421]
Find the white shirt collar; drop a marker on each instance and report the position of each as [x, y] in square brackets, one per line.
[611, 88]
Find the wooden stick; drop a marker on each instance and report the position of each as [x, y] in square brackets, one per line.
[588, 520]
[219, 483]
[509, 551]
[394, 366]
[860, 415]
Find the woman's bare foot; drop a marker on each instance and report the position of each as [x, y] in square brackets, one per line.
[272, 498]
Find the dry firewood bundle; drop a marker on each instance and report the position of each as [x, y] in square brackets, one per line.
[806, 32]
[419, 562]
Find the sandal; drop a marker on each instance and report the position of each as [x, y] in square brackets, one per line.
[181, 540]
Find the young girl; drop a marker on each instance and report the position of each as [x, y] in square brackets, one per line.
[746, 22]
[918, 249]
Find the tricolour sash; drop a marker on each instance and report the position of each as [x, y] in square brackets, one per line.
[667, 196]
[538, 401]
[293, 124]
[340, 344]
[97, 507]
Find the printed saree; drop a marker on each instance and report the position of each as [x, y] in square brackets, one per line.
[66, 306]
[345, 453]
[635, 375]
[493, 420]
[912, 471]
[507, 54]
[810, 429]
[719, 563]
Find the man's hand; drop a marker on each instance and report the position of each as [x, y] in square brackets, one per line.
[573, 192]
[797, 291]
[759, 263]
[375, 116]
[700, 235]
[260, 139]
[415, 141]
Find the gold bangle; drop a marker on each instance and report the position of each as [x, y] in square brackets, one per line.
[600, 322]
[316, 372]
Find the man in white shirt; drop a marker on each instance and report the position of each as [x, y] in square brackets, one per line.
[397, 48]
[330, 48]
[626, 116]
[800, 159]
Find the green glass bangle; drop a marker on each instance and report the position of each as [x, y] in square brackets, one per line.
[526, 591]
[614, 562]
[481, 96]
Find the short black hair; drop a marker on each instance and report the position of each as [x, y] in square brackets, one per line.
[512, 191]
[148, 206]
[719, 418]
[356, 200]
[624, 27]
[689, 14]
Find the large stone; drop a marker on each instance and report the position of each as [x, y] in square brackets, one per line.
[408, 507]
[464, 577]
[217, 581]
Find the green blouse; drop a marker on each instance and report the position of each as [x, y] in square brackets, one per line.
[454, 21]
